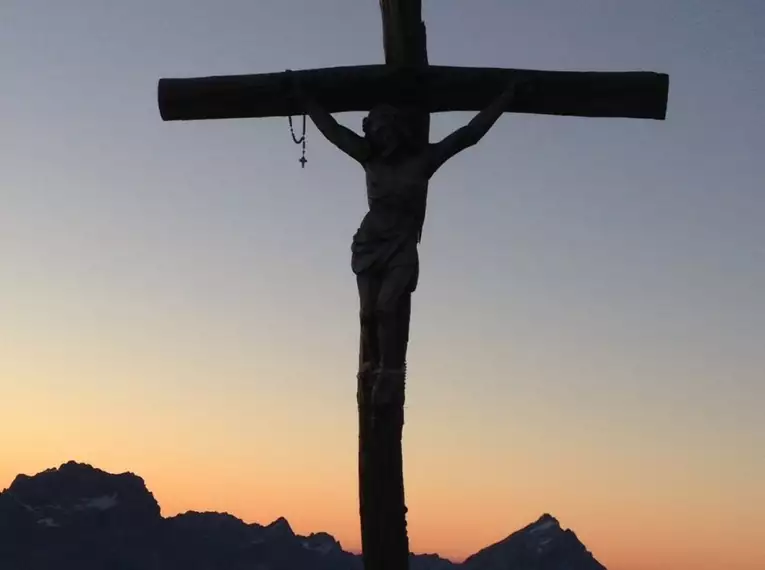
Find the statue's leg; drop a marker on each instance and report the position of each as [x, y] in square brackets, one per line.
[392, 318]
[404, 310]
[369, 288]
[403, 315]
[391, 308]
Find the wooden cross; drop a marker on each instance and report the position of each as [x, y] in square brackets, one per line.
[431, 89]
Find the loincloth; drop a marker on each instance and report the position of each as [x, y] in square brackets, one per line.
[379, 247]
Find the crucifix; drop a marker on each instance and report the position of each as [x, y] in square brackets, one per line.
[399, 160]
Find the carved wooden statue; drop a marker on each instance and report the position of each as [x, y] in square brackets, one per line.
[384, 251]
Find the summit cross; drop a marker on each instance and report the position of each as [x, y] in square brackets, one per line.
[399, 160]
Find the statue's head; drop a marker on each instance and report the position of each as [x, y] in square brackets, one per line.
[386, 128]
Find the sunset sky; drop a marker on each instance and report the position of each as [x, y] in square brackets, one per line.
[588, 336]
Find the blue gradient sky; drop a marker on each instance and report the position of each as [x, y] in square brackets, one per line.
[587, 337]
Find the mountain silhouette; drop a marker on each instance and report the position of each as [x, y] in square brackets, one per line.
[77, 517]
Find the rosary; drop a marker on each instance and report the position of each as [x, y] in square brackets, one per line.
[300, 141]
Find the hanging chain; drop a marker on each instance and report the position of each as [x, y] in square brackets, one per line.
[300, 141]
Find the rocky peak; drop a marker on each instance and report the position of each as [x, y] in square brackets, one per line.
[280, 528]
[75, 492]
[194, 520]
[322, 543]
[542, 545]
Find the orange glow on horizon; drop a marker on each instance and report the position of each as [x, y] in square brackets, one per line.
[454, 528]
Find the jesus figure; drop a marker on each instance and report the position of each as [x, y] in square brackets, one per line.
[384, 249]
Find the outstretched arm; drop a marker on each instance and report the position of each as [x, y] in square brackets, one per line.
[342, 137]
[470, 134]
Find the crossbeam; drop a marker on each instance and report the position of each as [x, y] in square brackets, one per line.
[636, 94]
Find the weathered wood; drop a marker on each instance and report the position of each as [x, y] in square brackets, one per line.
[636, 94]
[404, 35]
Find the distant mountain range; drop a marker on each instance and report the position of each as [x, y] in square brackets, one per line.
[77, 517]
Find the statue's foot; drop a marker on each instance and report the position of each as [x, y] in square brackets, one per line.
[365, 369]
[388, 387]
[366, 378]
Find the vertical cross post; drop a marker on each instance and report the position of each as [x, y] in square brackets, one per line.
[382, 506]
